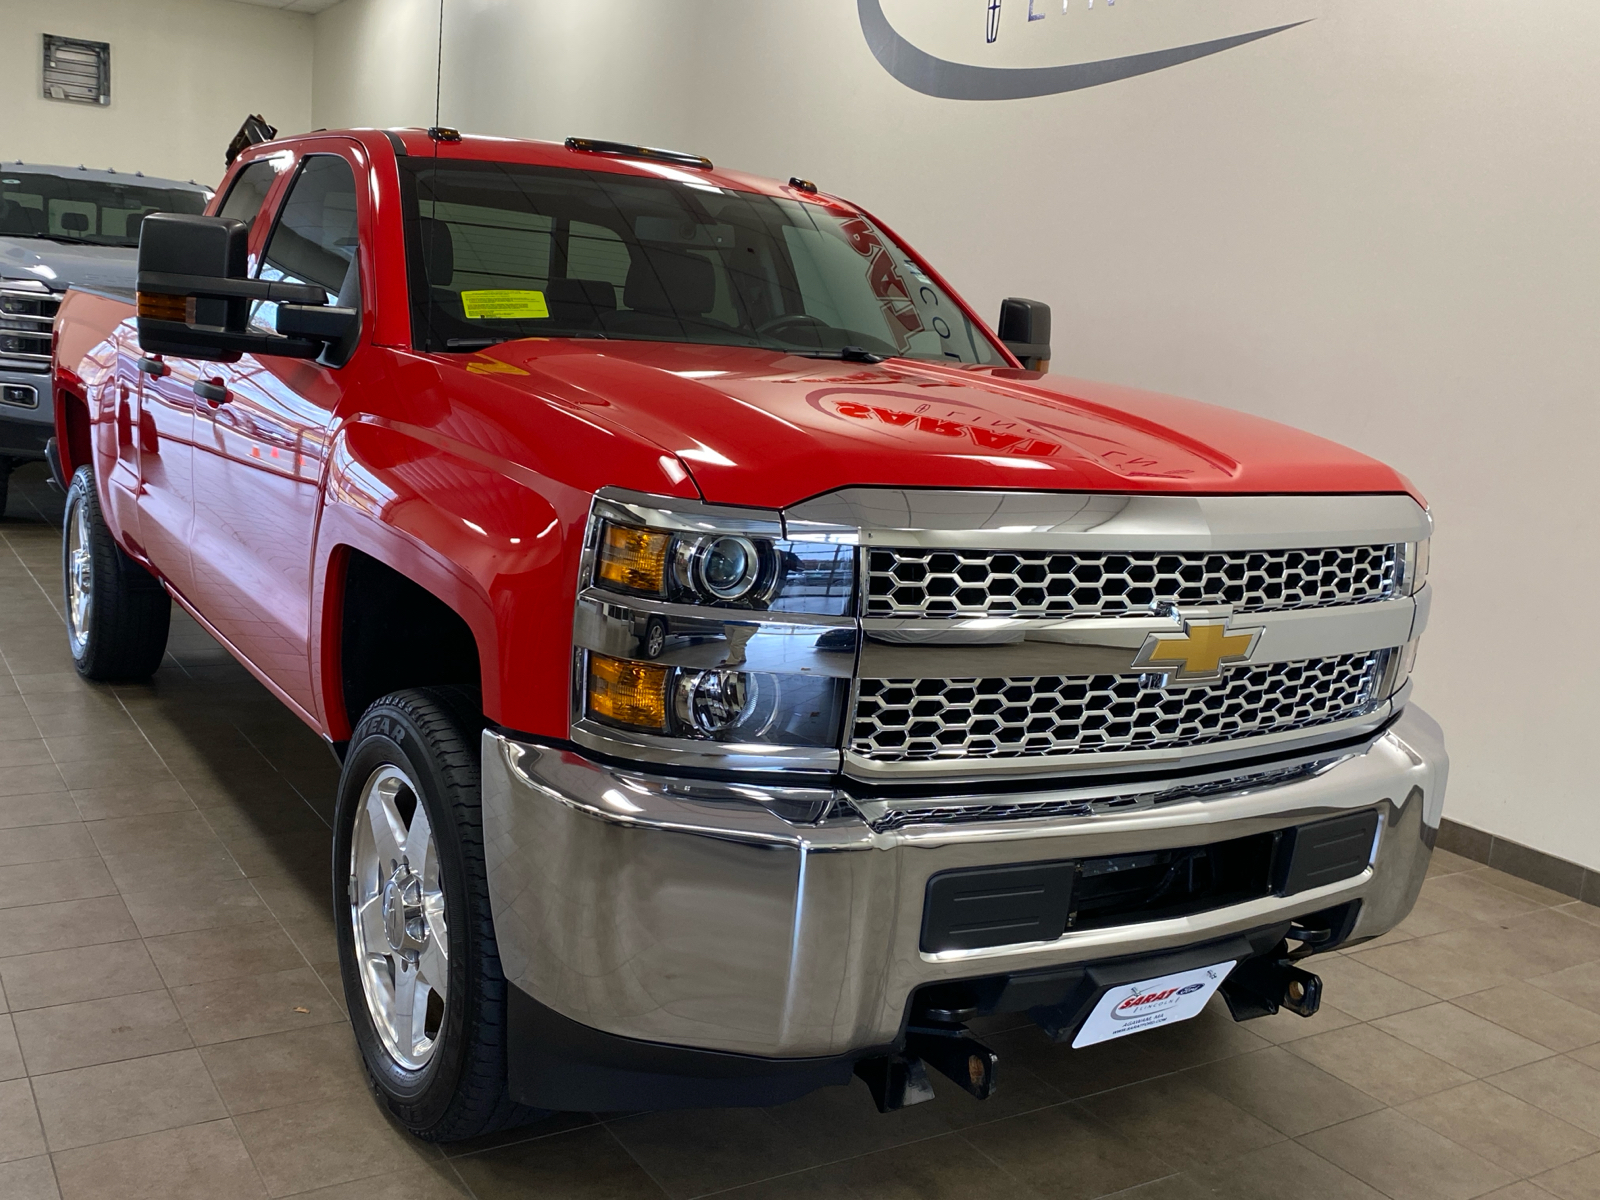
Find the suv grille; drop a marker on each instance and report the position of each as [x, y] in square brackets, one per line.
[1039, 583]
[907, 720]
[25, 320]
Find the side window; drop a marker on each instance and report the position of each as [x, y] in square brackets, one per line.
[248, 193]
[315, 239]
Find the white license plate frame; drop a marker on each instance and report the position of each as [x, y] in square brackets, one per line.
[1130, 1008]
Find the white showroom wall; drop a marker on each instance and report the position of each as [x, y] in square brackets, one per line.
[184, 74]
[1378, 225]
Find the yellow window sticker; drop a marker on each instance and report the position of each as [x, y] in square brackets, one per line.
[504, 305]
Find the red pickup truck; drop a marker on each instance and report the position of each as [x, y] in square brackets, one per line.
[749, 671]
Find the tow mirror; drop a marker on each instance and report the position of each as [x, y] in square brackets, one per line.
[1025, 329]
[195, 294]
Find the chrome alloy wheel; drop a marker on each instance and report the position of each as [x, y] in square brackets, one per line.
[80, 577]
[397, 912]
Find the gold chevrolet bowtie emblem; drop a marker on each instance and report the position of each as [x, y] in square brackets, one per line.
[1199, 652]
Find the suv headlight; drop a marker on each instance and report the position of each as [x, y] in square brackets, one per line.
[706, 631]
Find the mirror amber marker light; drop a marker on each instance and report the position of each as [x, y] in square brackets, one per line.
[629, 693]
[635, 559]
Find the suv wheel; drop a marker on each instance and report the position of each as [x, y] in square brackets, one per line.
[118, 614]
[416, 939]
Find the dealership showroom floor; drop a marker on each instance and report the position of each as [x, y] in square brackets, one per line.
[176, 1025]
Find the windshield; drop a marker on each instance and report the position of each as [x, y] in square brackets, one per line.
[499, 251]
[84, 210]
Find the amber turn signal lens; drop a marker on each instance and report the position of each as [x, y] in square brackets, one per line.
[162, 307]
[629, 693]
[635, 559]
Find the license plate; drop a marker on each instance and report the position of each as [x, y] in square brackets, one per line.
[1135, 1007]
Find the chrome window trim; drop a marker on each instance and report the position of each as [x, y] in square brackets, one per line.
[996, 520]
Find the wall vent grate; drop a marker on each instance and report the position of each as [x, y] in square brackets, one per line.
[76, 70]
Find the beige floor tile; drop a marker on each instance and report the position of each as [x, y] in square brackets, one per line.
[1285, 1091]
[1260, 1175]
[585, 1164]
[1285, 1026]
[689, 1153]
[196, 1162]
[1180, 1119]
[46, 882]
[20, 1135]
[1406, 1160]
[305, 1066]
[206, 955]
[37, 780]
[1552, 940]
[301, 1146]
[124, 1099]
[173, 866]
[941, 1169]
[1575, 1181]
[1447, 964]
[1521, 887]
[1586, 1054]
[1521, 1190]
[1378, 1064]
[1580, 985]
[28, 1179]
[1537, 1014]
[24, 752]
[208, 904]
[1209, 1037]
[256, 1004]
[1364, 991]
[46, 843]
[51, 809]
[1584, 910]
[1561, 1086]
[429, 1181]
[1521, 1137]
[64, 924]
[82, 973]
[11, 1065]
[98, 1031]
[1031, 1149]
[1463, 1039]
[131, 800]
[1475, 894]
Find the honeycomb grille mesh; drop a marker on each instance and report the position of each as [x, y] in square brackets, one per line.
[1039, 583]
[909, 720]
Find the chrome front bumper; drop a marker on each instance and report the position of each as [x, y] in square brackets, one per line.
[673, 911]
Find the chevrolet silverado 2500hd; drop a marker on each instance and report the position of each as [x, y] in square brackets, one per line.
[748, 670]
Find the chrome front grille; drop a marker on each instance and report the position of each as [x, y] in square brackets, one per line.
[1037, 583]
[911, 720]
[25, 319]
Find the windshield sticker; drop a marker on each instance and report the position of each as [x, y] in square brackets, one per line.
[884, 279]
[504, 305]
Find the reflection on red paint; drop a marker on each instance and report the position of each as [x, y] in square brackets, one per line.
[1000, 437]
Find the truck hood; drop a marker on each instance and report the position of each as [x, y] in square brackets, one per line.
[763, 428]
[58, 265]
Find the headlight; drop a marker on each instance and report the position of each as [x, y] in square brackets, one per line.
[743, 707]
[703, 634]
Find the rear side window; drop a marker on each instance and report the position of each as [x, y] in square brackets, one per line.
[248, 193]
[315, 239]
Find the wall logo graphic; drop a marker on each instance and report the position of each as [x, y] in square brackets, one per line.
[939, 77]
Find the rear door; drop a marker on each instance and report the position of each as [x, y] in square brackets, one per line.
[260, 452]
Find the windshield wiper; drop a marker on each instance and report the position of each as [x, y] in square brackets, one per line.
[846, 353]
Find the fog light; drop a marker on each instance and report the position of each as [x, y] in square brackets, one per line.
[711, 702]
[628, 693]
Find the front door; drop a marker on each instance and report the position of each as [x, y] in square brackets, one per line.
[260, 449]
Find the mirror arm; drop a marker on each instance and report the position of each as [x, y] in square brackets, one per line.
[163, 283]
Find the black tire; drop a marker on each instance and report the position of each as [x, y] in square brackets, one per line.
[120, 634]
[432, 735]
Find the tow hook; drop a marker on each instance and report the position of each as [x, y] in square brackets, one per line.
[1261, 986]
[900, 1080]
